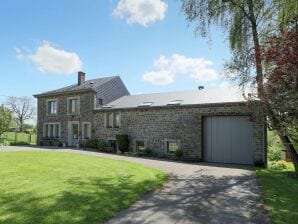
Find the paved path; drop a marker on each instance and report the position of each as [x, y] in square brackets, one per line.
[195, 193]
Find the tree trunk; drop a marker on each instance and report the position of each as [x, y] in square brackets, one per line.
[21, 126]
[258, 59]
[290, 148]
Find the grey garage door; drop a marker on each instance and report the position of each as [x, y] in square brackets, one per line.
[228, 139]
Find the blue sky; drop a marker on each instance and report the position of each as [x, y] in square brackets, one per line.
[148, 43]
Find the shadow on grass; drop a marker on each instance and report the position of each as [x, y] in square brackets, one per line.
[89, 201]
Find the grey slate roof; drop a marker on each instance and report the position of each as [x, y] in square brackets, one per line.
[191, 97]
[93, 85]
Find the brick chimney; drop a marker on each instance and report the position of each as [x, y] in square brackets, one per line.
[81, 78]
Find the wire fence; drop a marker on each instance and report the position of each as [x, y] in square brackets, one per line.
[15, 138]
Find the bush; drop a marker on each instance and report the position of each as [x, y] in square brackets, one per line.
[274, 146]
[102, 144]
[19, 143]
[179, 153]
[278, 165]
[274, 153]
[91, 143]
[123, 142]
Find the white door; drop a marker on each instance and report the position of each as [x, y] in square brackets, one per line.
[228, 139]
[73, 133]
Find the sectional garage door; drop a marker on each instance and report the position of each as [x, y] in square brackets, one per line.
[228, 139]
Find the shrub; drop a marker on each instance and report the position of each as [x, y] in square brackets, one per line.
[278, 165]
[102, 144]
[179, 153]
[123, 142]
[91, 143]
[274, 153]
[19, 143]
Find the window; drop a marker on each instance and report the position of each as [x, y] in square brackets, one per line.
[73, 105]
[100, 102]
[140, 146]
[172, 146]
[86, 130]
[51, 130]
[145, 104]
[110, 120]
[112, 143]
[113, 120]
[117, 120]
[51, 107]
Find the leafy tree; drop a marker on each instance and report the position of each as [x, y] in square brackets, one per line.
[5, 119]
[22, 108]
[281, 72]
[248, 23]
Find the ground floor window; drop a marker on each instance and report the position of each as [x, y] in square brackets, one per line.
[51, 130]
[172, 146]
[86, 130]
[140, 146]
[112, 143]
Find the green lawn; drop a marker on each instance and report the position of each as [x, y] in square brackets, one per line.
[60, 187]
[280, 194]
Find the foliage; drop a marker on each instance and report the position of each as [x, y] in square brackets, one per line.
[179, 153]
[279, 193]
[19, 143]
[274, 146]
[91, 143]
[123, 142]
[102, 144]
[23, 109]
[5, 119]
[278, 165]
[58, 187]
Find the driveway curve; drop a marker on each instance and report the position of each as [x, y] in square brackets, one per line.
[195, 193]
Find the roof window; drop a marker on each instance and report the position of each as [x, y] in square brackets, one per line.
[175, 102]
[145, 104]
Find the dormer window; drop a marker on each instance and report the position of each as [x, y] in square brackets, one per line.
[73, 105]
[99, 101]
[52, 107]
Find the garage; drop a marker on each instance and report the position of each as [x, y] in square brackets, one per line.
[228, 139]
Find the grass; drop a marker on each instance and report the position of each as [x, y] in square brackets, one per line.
[280, 194]
[21, 137]
[60, 187]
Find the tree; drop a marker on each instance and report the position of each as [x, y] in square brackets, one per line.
[22, 108]
[248, 24]
[281, 72]
[5, 119]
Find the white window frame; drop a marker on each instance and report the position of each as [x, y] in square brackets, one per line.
[54, 130]
[166, 145]
[114, 119]
[107, 120]
[79, 105]
[83, 130]
[47, 107]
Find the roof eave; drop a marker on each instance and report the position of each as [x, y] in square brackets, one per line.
[62, 93]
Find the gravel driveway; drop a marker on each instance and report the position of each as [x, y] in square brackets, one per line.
[195, 193]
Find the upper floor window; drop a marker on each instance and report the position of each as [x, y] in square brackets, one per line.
[52, 107]
[99, 102]
[113, 120]
[117, 120]
[73, 105]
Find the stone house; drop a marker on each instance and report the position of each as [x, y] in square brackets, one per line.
[213, 125]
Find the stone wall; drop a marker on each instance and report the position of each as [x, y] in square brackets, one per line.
[87, 101]
[184, 124]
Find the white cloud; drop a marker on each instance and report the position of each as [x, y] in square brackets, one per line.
[20, 56]
[143, 12]
[50, 59]
[166, 69]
